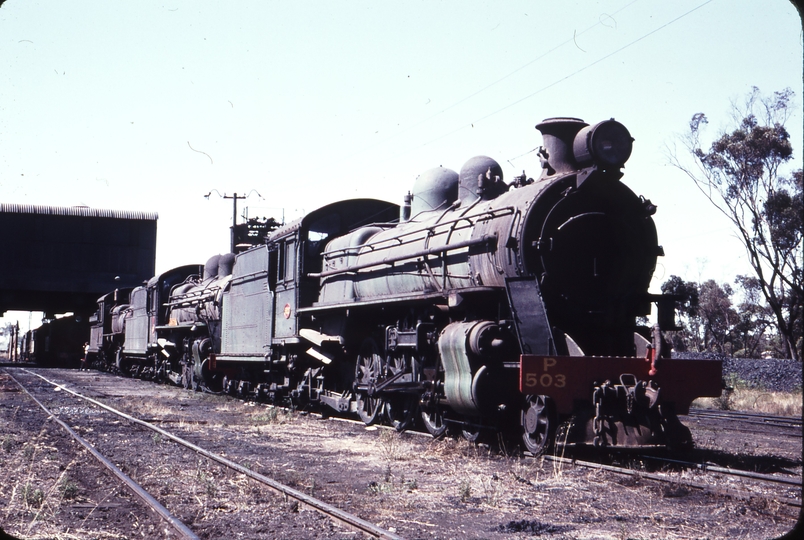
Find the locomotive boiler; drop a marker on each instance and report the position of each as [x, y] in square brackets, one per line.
[479, 305]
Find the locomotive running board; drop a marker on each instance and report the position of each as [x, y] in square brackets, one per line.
[530, 317]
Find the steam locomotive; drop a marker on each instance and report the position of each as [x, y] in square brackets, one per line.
[478, 305]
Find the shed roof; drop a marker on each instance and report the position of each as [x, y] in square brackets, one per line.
[80, 211]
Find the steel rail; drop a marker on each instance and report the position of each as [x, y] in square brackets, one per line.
[725, 470]
[755, 418]
[668, 479]
[138, 490]
[328, 510]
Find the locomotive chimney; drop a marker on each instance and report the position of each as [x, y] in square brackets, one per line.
[558, 135]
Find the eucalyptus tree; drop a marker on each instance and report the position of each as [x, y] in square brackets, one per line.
[745, 174]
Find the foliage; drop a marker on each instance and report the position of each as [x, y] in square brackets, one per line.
[709, 322]
[755, 319]
[741, 175]
[717, 315]
[686, 305]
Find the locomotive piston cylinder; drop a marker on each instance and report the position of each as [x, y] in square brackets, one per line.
[472, 381]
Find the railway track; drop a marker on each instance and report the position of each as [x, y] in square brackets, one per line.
[343, 518]
[778, 425]
[678, 481]
[749, 418]
[135, 488]
[710, 479]
[770, 421]
[415, 485]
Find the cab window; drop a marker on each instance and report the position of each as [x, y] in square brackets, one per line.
[290, 260]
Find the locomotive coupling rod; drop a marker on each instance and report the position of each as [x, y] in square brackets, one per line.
[488, 239]
[372, 389]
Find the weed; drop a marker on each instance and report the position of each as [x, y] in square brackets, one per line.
[723, 402]
[410, 485]
[379, 488]
[157, 438]
[8, 443]
[33, 497]
[465, 491]
[68, 488]
[273, 415]
[388, 475]
[492, 490]
[389, 444]
[28, 451]
[270, 416]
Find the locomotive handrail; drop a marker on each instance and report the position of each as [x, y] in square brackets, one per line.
[485, 239]
[244, 277]
[430, 230]
[193, 297]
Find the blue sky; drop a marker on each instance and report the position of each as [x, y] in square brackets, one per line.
[150, 105]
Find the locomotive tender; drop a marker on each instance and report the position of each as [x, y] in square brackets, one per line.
[477, 305]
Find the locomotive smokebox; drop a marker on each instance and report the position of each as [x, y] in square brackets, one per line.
[558, 135]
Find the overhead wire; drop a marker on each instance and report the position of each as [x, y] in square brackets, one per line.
[496, 82]
[557, 81]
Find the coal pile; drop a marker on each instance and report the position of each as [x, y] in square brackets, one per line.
[771, 374]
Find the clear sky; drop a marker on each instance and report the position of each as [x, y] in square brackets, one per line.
[151, 105]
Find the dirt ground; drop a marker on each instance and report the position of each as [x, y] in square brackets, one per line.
[407, 483]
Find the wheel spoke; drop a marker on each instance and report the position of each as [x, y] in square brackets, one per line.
[538, 424]
[367, 370]
[399, 409]
[434, 423]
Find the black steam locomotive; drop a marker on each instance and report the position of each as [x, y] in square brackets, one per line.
[58, 342]
[477, 305]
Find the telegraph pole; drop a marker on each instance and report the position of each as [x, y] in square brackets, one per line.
[234, 198]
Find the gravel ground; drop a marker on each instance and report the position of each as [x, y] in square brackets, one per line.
[773, 375]
[415, 486]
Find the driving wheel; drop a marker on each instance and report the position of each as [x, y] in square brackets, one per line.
[368, 370]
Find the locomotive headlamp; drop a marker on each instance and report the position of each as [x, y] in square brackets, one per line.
[607, 144]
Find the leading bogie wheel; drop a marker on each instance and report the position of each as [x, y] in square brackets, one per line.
[538, 422]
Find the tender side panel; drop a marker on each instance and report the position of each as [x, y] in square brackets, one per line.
[137, 325]
[566, 378]
[244, 308]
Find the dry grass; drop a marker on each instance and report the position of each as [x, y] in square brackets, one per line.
[754, 400]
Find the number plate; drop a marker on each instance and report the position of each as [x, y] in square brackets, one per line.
[569, 378]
